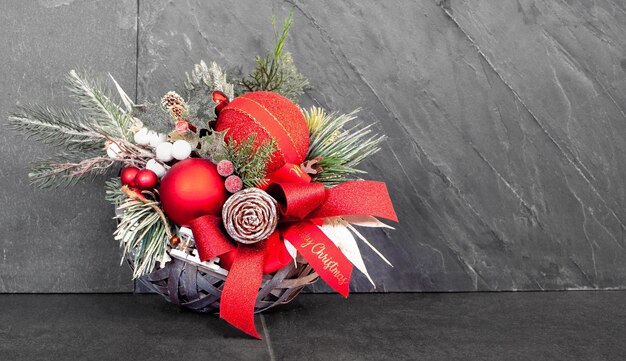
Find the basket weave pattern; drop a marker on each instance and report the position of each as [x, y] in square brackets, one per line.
[200, 288]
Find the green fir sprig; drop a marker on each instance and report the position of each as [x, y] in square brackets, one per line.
[339, 150]
[250, 158]
[275, 71]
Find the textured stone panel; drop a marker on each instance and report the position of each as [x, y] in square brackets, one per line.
[489, 196]
[58, 241]
[564, 60]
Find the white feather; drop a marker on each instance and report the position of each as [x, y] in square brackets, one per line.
[343, 239]
[358, 234]
[365, 221]
[293, 252]
[128, 103]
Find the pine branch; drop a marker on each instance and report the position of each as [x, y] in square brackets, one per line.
[340, 150]
[73, 165]
[82, 138]
[250, 158]
[276, 71]
[67, 170]
[61, 128]
[142, 231]
[110, 118]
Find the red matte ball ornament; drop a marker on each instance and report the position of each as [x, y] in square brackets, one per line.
[190, 189]
[128, 176]
[269, 116]
[146, 179]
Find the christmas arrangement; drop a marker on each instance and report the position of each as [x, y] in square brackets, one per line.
[229, 197]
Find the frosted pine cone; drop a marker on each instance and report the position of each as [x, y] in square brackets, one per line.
[250, 215]
[177, 111]
[173, 102]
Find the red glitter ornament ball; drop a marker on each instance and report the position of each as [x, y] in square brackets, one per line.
[146, 179]
[190, 189]
[128, 176]
[269, 116]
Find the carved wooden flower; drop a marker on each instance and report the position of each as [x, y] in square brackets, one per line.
[250, 215]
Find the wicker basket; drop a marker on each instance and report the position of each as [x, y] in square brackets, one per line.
[195, 286]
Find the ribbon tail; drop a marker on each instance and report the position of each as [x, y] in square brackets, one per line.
[242, 286]
[357, 198]
[322, 254]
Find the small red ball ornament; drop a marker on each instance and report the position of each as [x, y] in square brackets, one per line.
[190, 189]
[146, 179]
[269, 116]
[128, 176]
[220, 99]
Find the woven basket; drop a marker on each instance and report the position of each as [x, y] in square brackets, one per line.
[197, 287]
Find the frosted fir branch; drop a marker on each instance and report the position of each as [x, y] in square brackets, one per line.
[58, 172]
[57, 127]
[71, 166]
[82, 138]
[341, 150]
[142, 230]
[211, 78]
[98, 105]
[200, 85]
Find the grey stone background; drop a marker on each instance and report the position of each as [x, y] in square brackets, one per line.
[506, 125]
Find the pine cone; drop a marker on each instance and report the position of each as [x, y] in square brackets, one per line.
[177, 111]
[172, 100]
[250, 215]
[312, 166]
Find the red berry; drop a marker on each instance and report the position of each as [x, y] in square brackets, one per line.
[225, 168]
[128, 176]
[182, 126]
[233, 184]
[146, 179]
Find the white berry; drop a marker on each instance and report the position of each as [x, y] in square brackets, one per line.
[141, 137]
[113, 150]
[156, 167]
[164, 152]
[181, 149]
[156, 138]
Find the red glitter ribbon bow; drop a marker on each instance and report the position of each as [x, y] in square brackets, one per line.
[302, 206]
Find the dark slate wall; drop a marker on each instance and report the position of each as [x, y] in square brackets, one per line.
[57, 241]
[506, 127]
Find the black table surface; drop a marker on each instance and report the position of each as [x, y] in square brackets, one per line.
[582, 325]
